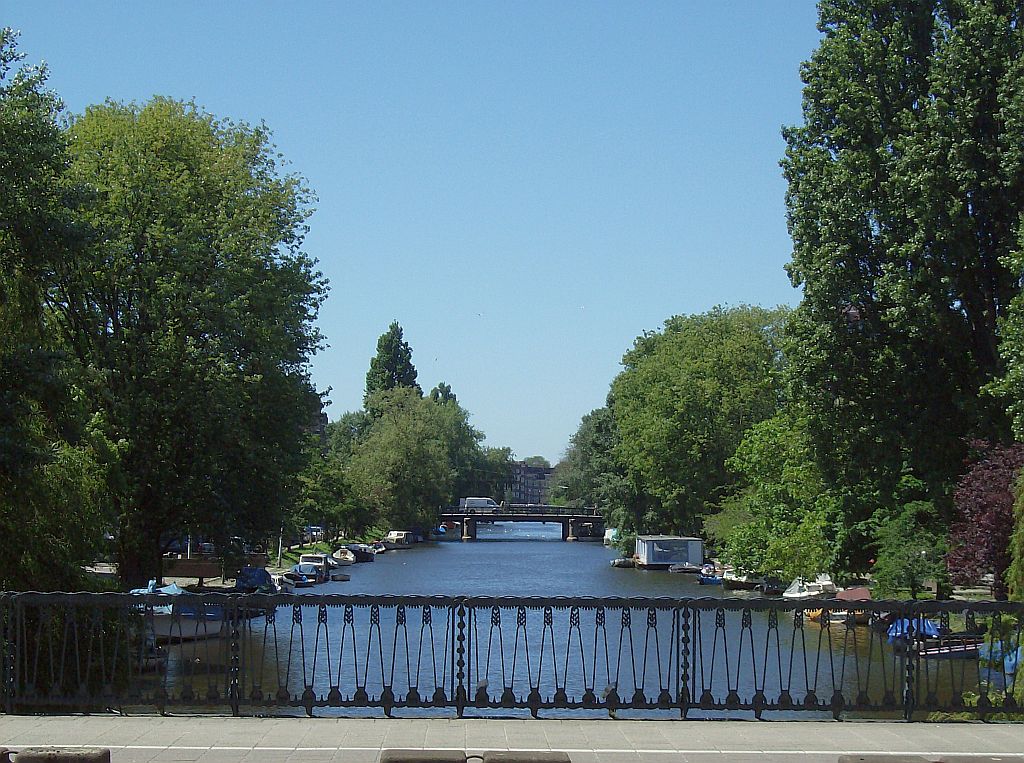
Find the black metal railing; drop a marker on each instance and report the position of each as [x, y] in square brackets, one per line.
[433, 655]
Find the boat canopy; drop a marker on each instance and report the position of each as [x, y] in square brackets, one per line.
[171, 589]
[921, 626]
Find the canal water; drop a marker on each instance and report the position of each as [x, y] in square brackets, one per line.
[511, 559]
[512, 650]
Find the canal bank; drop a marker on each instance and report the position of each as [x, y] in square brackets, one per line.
[352, 740]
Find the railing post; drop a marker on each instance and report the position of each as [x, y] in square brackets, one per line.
[683, 618]
[234, 683]
[910, 659]
[7, 647]
[460, 658]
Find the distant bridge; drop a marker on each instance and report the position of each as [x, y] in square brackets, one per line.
[577, 524]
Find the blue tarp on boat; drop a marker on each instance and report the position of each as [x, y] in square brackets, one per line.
[919, 626]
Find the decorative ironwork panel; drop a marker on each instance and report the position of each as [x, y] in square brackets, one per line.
[422, 655]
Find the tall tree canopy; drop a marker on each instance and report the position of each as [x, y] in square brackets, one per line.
[53, 460]
[392, 366]
[192, 308]
[683, 402]
[402, 466]
[906, 187]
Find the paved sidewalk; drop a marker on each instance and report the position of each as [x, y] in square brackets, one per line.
[142, 739]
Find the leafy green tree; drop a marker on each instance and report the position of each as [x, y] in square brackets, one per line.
[683, 402]
[906, 187]
[591, 474]
[538, 461]
[783, 519]
[193, 305]
[327, 499]
[343, 434]
[1015, 572]
[53, 458]
[401, 468]
[442, 393]
[908, 551]
[392, 366]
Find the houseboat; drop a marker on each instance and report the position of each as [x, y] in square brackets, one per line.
[659, 552]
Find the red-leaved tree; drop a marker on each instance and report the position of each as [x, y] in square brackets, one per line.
[979, 539]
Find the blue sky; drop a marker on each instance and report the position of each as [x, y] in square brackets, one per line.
[525, 186]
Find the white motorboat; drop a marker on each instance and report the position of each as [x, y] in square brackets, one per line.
[174, 621]
[334, 570]
[329, 569]
[820, 588]
[344, 557]
[398, 539]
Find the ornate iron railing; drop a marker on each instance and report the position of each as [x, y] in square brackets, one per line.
[431, 655]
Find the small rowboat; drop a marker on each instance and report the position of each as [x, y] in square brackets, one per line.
[686, 567]
[958, 646]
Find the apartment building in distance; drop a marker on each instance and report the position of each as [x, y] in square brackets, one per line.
[531, 484]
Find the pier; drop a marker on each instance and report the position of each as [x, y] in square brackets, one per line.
[577, 524]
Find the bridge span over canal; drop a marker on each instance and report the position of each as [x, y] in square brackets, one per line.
[577, 524]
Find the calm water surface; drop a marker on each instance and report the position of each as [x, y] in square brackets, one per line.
[511, 559]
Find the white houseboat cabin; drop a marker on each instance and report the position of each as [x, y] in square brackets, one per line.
[659, 552]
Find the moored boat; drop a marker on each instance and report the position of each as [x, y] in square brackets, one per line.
[344, 557]
[397, 539]
[662, 552]
[685, 567]
[254, 580]
[329, 567]
[361, 552]
[311, 571]
[820, 588]
[772, 586]
[955, 646]
[175, 621]
[740, 581]
[841, 616]
[290, 580]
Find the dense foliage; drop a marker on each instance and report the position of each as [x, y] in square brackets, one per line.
[54, 458]
[905, 199]
[157, 322]
[192, 306]
[783, 517]
[682, 403]
[984, 521]
[157, 319]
